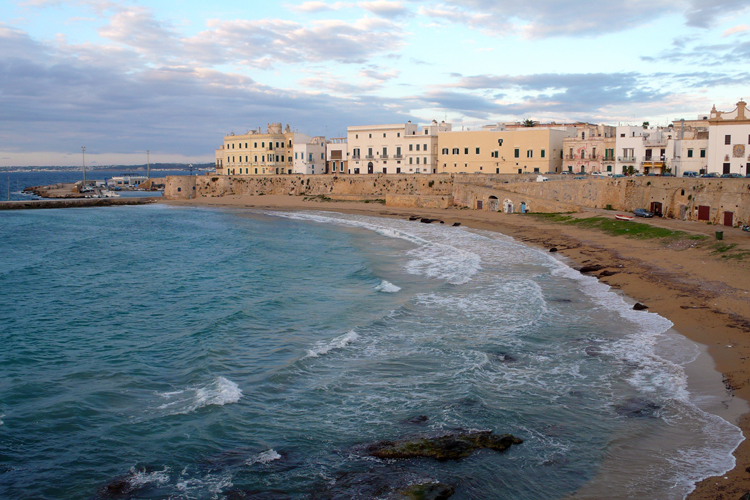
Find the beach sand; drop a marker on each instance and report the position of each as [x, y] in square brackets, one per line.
[704, 289]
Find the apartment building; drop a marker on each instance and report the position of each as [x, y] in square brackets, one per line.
[256, 153]
[592, 149]
[691, 147]
[337, 155]
[394, 149]
[729, 140]
[496, 150]
[645, 150]
[309, 154]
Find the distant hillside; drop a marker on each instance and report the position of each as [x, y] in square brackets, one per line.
[116, 168]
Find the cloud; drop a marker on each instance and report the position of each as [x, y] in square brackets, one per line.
[380, 76]
[702, 14]
[385, 8]
[317, 6]
[737, 29]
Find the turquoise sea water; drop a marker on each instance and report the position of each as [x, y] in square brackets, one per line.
[196, 353]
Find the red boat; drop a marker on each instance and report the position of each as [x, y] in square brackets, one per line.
[623, 217]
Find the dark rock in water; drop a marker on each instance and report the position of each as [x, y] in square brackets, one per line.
[639, 307]
[593, 350]
[456, 224]
[561, 300]
[414, 217]
[502, 357]
[442, 222]
[357, 484]
[607, 273]
[591, 269]
[428, 491]
[426, 220]
[125, 486]
[419, 419]
[638, 408]
[553, 249]
[447, 447]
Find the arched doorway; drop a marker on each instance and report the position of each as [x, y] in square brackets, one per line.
[508, 206]
[369, 168]
[494, 203]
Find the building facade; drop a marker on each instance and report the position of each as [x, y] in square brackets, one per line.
[309, 154]
[645, 150]
[729, 141]
[337, 156]
[592, 149]
[524, 150]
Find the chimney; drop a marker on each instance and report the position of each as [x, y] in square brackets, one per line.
[741, 110]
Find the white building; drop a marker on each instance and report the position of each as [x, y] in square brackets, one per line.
[645, 150]
[385, 149]
[309, 154]
[337, 153]
[729, 141]
[691, 147]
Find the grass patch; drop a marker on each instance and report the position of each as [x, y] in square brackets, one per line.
[552, 217]
[616, 227]
[377, 200]
[722, 247]
[320, 197]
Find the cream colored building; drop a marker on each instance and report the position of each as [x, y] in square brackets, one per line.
[729, 141]
[309, 154]
[337, 151]
[256, 153]
[394, 149]
[524, 150]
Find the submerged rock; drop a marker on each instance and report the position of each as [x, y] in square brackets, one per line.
[447, 447]
[428, 491]
[256, 495]
[419, 419]
[639, 307]
[414, 217]
[638, 408]
[502, 357]
[427, 220]
[456, 224]
[553, 249]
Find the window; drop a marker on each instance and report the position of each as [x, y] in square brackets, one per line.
[530, 153]
[263, 158]
[703, 153]
[410, 160]
[398, 151]
[255, 144]
[727, 139]
[517, 153]
[322, 157]
[417, 147]
[369, 152]
[282, 157]
[622, 135]
[536, 170]
[385, 151]
[270, 146]
[494, 154]
[477, 150]
[690, 153]
[277, 157]
[239, 146]
[277, 144]
[263, 144]
[309, 156]
[232, 159]
[466, 151]
[455, 151]
[593, 153]
[246, 159]
[411, 147]
[256, 159]
[383, 134]
[583, 135]
[417, 160]
[232, 145]
[544, 153]
[256, 170]
[370, 136]
[356, 136]
[424, 147]
[295, 156]
[426, 131]
[445, 151]
[398, 134]
[424, 160]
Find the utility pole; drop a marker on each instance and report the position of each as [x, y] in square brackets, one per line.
[83, 151]
[148, 163]
[191, 169]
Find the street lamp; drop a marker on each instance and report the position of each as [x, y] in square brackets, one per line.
[148, 163]
[83, 152]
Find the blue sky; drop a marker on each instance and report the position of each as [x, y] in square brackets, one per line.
[173, 77]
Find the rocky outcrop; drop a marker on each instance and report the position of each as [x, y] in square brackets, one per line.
[446, 447]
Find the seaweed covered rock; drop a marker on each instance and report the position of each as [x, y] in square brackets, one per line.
[428, 491]
[446, 447]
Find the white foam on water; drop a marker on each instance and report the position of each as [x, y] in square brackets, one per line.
[139, 478]
[387, 287]
[201, 487]
[338, 343]
[1, 422]
[220, 392]
[265, 457]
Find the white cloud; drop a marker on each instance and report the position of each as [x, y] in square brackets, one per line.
[317, 6]
[737, 29]
[385, 8]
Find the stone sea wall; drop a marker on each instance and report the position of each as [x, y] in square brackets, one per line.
[679, 197]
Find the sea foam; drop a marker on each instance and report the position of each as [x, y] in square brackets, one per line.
[220, 392]
[387, 287]
[338, 343]
[265, 457]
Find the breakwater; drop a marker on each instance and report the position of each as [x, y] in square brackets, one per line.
[72, 203]
[719, 201]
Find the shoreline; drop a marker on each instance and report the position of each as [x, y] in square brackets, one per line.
[703, 293]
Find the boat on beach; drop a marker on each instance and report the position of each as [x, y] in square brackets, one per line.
[623, 217]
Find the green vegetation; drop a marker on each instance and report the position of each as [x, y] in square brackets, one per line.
[431, 183]
[377, 200]
[722, 247]
[725, 250]
[616, 227]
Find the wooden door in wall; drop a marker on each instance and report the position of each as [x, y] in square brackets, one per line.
[656, 208]
[728, 219]
[704, 212]
[479, 204]
[369, 168]
[727, 168]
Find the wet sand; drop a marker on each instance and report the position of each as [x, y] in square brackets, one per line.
[703, 287]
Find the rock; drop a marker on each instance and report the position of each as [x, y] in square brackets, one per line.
[414, 217]
[553, 249]
[746, 496]
[607, 273]
[419, 419]
[426, 220]
[456, 224]
[639, 307]
[428, 491]
[256, 495]
[638, 408]
[446, 447]
[593, 350]
[502, 357]
[561, 300]
[591, 269]
[442, 222]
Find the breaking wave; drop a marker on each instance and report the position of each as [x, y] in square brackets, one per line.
[220, 392]
[338, 343]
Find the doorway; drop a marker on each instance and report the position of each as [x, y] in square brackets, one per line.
[729, 219]
[494, 203]
[369, 168]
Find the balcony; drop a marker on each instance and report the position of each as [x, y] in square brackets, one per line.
[384, 157]
[369, 157]
[626, 159]
[355, 157]
[397, 156]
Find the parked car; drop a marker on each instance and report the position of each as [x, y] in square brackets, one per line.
[551, 173]
[712, 175]
[566, 173]
[642, 212]
[732, 176]
[579, 177]
[652, 175]
[617, 176]
[667, 174]
[690, 174]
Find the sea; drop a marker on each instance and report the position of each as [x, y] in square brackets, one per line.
[163, 352]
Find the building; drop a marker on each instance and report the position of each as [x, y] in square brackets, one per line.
[644, 150]
[309, 154]
[256, 153]
[394, 149]
[500, 151]
[337, 156]
[729, 141]
[691, 147]
[592, 149]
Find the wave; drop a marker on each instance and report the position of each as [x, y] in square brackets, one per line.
[220, 392]
[265, 457]
[337, 343]
[1, 422]
[140, 478]
[387, 287]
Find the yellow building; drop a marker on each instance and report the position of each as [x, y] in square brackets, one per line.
[255, 153]
[487, 151]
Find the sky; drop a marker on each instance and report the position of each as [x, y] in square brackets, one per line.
[175, 76]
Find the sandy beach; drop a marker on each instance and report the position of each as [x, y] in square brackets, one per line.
[701, 285]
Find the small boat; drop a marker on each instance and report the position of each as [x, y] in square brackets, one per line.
[623, 217]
